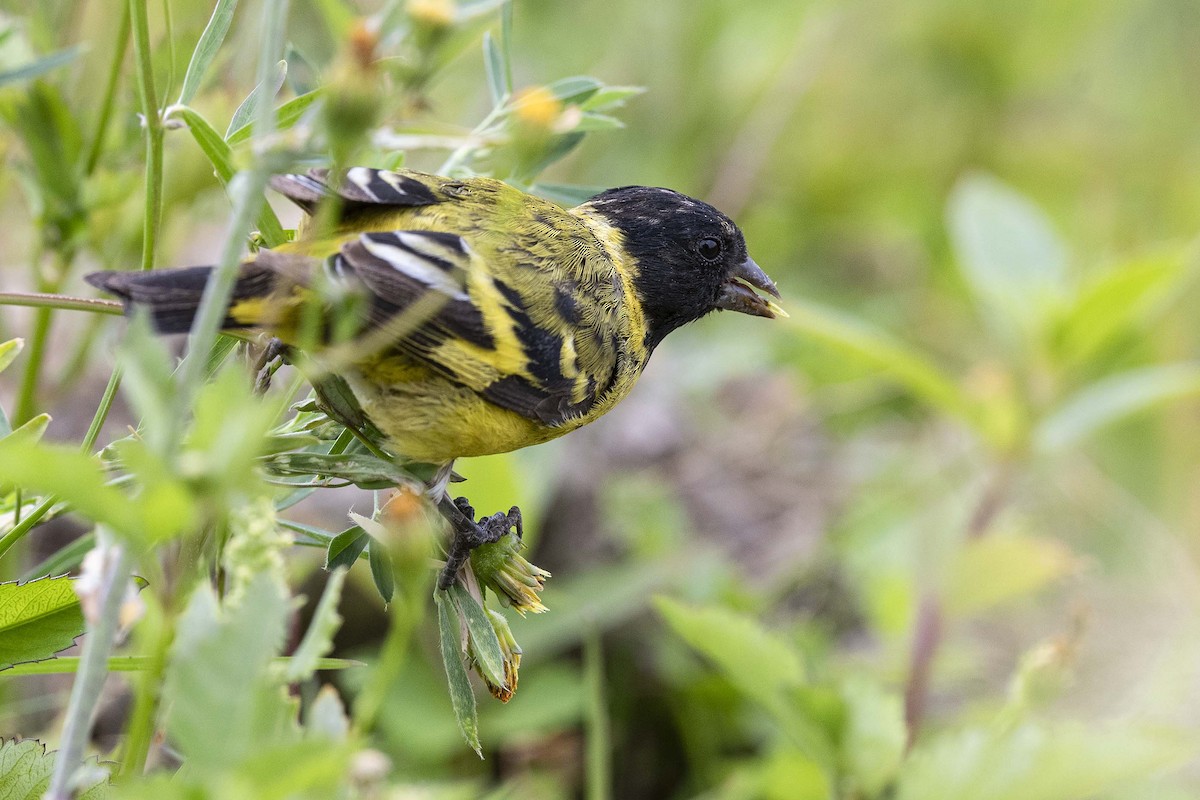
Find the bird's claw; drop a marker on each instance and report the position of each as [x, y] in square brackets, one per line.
[469, 534]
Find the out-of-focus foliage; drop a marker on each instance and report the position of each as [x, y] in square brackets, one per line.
[934, 536]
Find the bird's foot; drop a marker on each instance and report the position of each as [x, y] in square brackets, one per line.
[469, 534]
[273, 356]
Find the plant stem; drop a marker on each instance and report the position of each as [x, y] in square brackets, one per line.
[89, 680]
[142, 718]
[153, 125]
[598, 758]
[46, 300]
[96, 146]
[406, 614]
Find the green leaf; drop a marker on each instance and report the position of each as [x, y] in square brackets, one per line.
[217, 686]
[757, 662]
[10, 350]
[40, 66]
[485, 645]
[37, 619]
[345, 548]
[206, 49]
[1117, 301]
[611, 97]
[381, 569]
[65, 665]
[565, 193]
[1113, 399]
[25, 770]
[493, 61]
[246, 113]
[462, 698]
[362, 469]
[72, 476]
[32, 431]
[1008, 252]
[591, 122]
[879, 350]
[220, 156]
[287, 115]
[991, 570]
[874, 737]
[318, 639]
[575, 89]
[1066, 761]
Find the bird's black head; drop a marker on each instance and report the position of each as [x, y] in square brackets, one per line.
[691, 259]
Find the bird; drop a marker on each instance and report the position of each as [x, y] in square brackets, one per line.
[471, 317]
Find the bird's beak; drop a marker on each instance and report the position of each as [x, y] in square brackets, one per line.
[737, 294]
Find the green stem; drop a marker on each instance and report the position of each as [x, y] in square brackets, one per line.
[599, 764]
[27, 393]
[142, 719]
[47, 300]
[154, 132]
[96, 147]
[93, 668]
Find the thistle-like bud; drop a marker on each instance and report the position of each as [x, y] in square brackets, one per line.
[501, 567]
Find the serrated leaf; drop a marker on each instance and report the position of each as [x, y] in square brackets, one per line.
[26, 768]
[345, 548]
[264, 92]
[207, 48]
[462, 698]
[485, 645]
[38, 619]
[318, 639]
[221, 698]
[1113, 399]
[381, 569]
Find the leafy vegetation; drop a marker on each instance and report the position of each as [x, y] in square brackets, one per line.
[929, 537]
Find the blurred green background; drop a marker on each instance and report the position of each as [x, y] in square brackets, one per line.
[935, 534]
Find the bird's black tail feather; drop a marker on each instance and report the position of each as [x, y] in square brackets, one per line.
[172, 296]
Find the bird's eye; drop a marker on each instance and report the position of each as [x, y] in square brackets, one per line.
[709, 249]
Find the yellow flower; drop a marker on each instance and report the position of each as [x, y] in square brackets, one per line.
[434, 13]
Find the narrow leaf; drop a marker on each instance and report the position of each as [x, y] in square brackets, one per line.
[65, 665]
[345, 548]
[381, 569]
[880, 350]
[462, 698]
[207, 48]
[37, 619]
[286, 116]
[318, 639]
[485, 645]
[493, 61]
[1113, 399]
[10, 350]
[262, 93]
[221, 157]
[39, 66]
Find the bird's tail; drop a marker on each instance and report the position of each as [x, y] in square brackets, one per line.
[172, 296]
